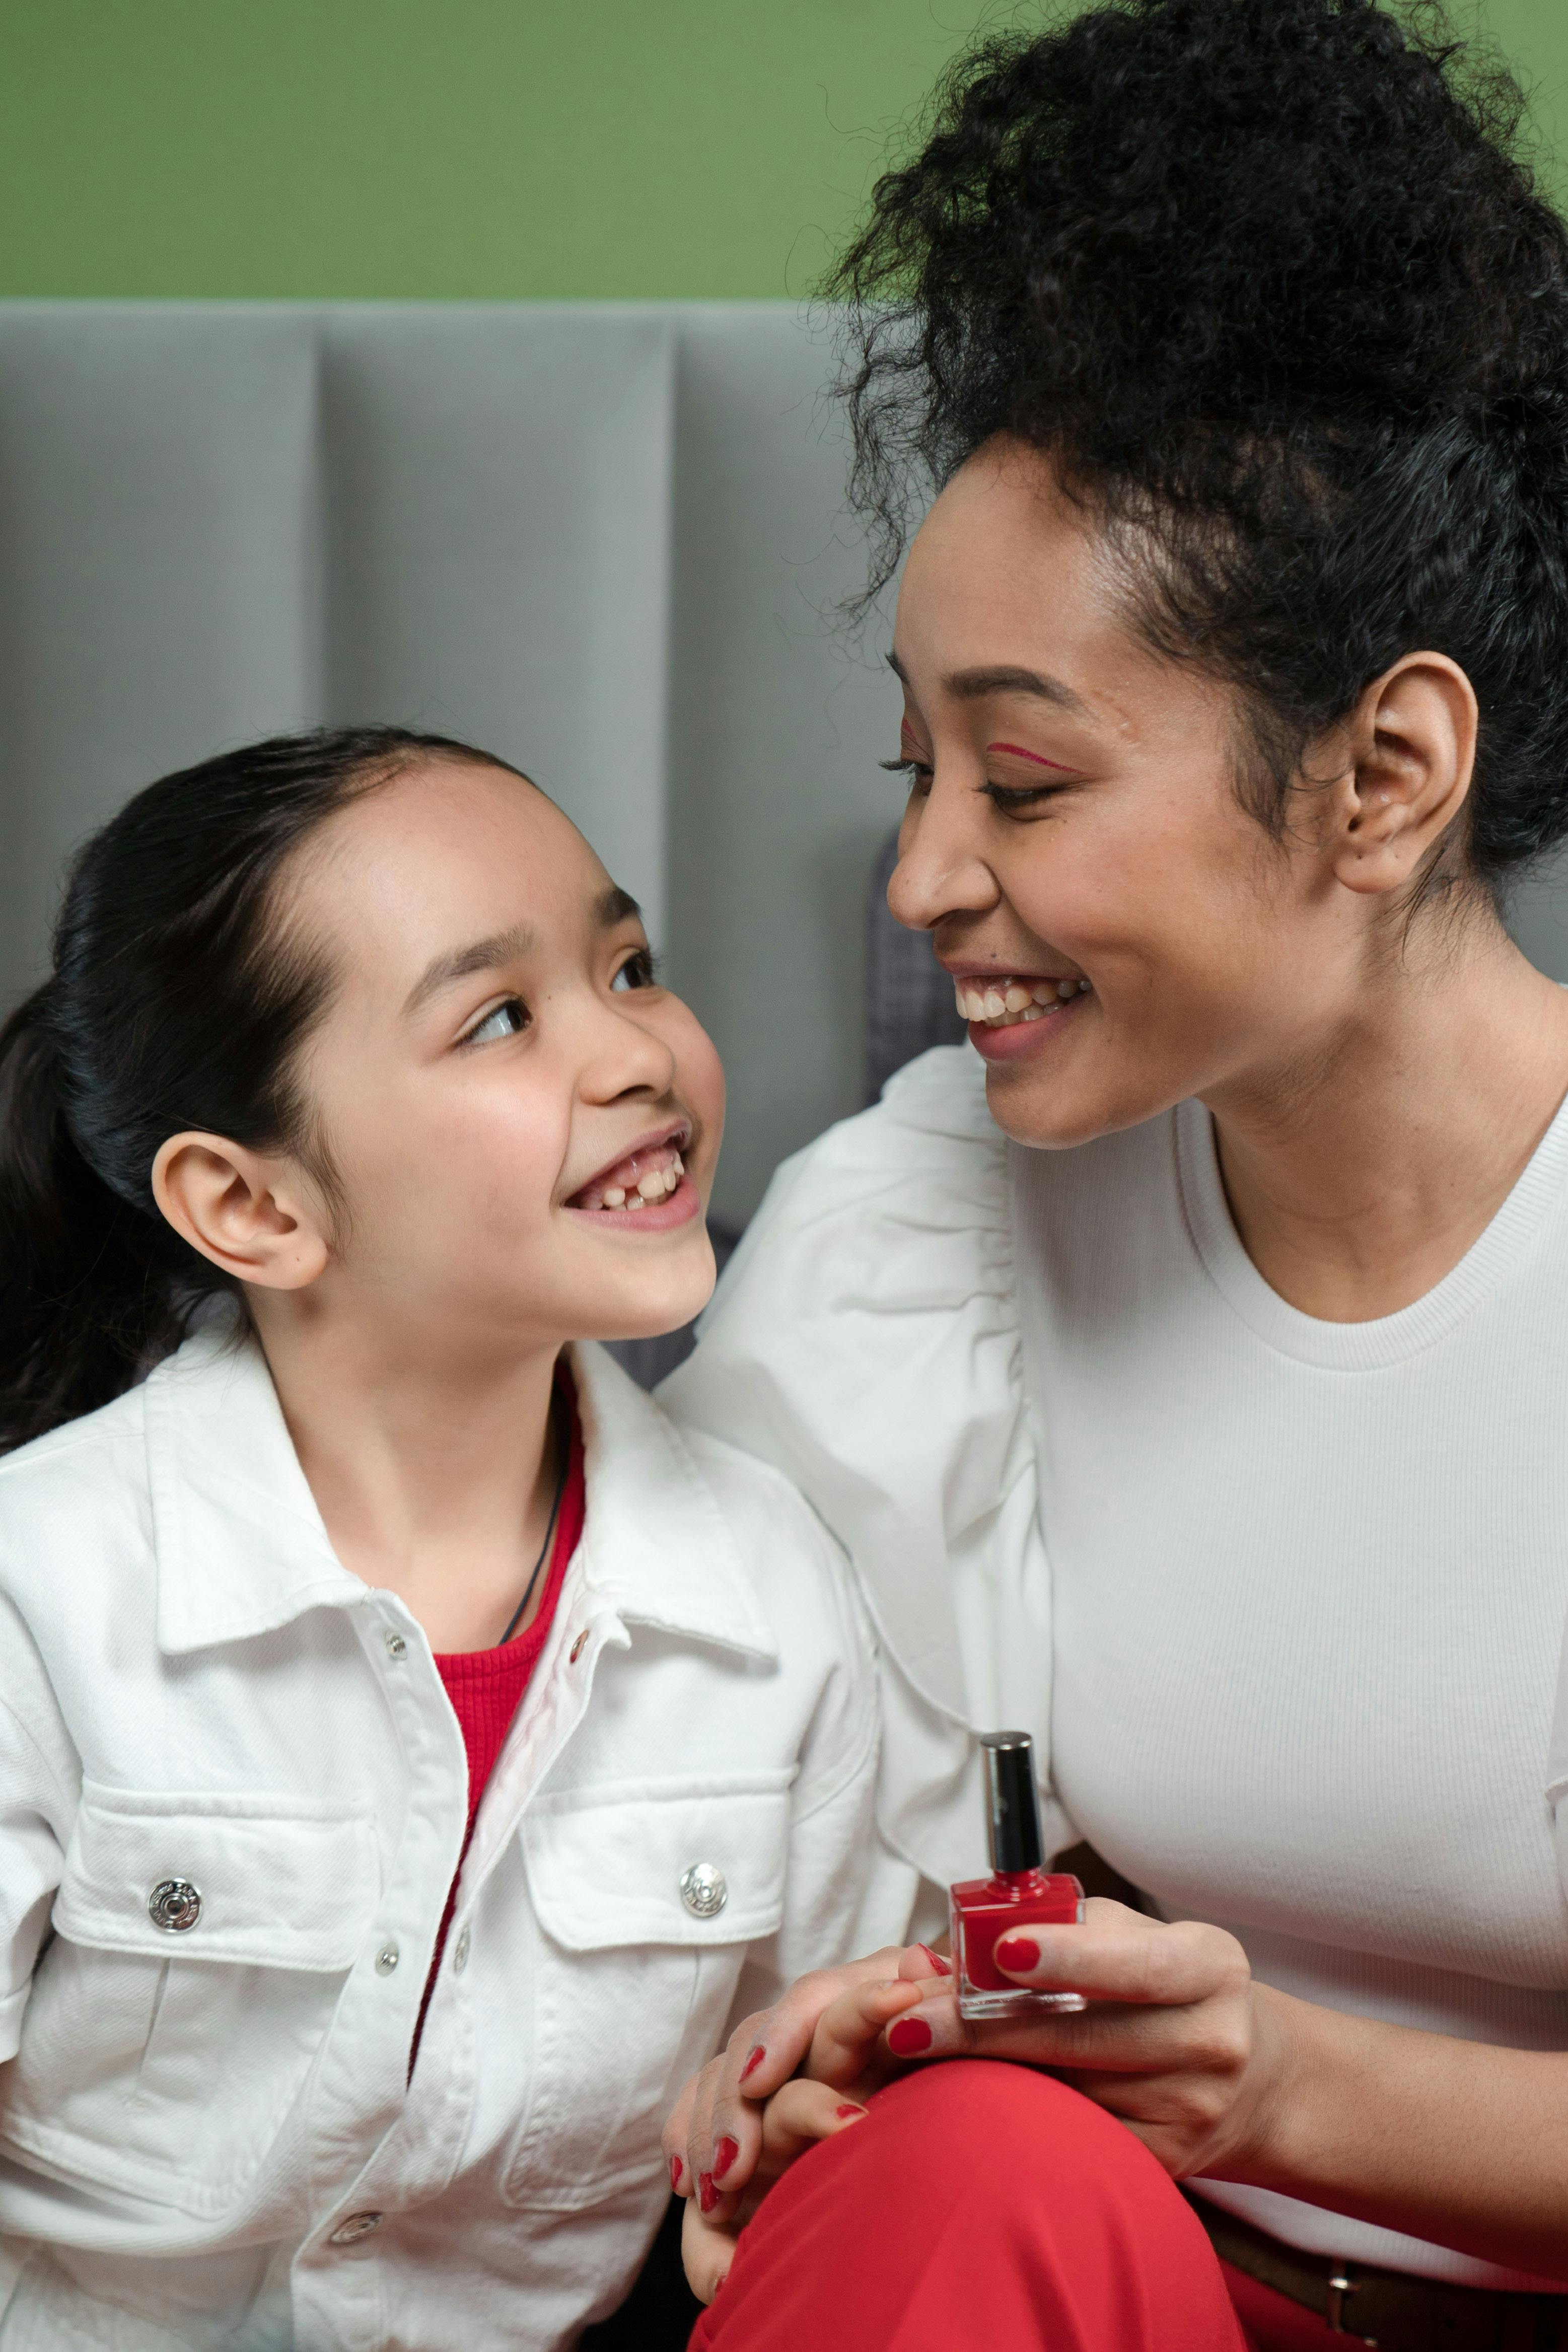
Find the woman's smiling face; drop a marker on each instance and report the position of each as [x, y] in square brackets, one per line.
[1075, 817]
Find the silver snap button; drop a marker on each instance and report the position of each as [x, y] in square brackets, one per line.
[357, 2226]
[386, 1959]
[460, 1952]
[578, 1646]
[397, 1647]
[174, 1904]
[703, 1890]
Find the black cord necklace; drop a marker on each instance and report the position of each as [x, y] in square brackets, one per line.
[564, 1437]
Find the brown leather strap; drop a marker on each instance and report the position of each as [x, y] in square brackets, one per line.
[1389, 2309]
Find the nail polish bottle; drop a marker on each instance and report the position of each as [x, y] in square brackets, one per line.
[1018, 1895]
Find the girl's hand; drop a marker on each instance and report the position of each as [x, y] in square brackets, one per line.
[1175, 2041]
[844, 2064]
[714, 2134]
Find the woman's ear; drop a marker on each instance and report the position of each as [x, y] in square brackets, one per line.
[1412, 747]
[249, 1213]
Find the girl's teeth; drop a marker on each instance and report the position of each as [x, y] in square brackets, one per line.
[1002, 1002]
[639, 1190]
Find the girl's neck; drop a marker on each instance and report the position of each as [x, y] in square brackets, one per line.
[1360, 1177]
[434, 1474]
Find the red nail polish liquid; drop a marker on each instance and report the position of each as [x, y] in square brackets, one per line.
[1018, 1895]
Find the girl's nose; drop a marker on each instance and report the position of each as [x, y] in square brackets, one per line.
[624, 1055]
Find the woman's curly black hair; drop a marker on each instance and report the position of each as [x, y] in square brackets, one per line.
[1270, 282]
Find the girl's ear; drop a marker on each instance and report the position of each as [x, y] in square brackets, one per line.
[247, 1211]
[1411, 751]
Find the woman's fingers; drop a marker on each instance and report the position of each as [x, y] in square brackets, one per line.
[1119, 1955]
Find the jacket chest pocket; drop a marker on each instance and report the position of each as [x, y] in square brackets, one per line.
[647, 1901]
[200, 1947]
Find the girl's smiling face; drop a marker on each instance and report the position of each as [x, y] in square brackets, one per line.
[520, 1123]
[1074, 818]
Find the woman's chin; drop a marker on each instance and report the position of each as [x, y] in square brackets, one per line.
[1054, 1108]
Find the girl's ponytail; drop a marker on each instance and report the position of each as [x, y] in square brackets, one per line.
[174, 1004]
[82, 1306]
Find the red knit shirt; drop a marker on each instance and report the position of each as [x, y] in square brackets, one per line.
[486, 1686]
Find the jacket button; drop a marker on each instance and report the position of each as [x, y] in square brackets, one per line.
[386, 1959]
[357, 2226]
[578, 1646]
[703, 1890]
[461, 1955]
[174, 1904]
[397, 1647]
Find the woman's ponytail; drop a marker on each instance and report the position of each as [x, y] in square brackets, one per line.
[82, 1305]
[174, 1003]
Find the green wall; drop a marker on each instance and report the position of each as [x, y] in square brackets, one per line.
[488, 148]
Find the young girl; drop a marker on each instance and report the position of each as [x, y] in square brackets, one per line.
[411, 1750]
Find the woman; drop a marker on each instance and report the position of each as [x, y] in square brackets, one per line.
[1185, 1366]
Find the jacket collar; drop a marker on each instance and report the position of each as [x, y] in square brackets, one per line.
[241, 1550]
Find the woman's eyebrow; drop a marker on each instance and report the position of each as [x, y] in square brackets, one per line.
[974, 685]
[461, 963]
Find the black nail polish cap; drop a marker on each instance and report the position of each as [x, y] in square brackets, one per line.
[1014, 1824]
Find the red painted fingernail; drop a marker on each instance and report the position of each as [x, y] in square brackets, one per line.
[675, 2176]
[724, 2156]
[943, 1967]
[909, 2037]
[753, 2061]
[1017, 1952]
[844, 2113]
[707, 2195]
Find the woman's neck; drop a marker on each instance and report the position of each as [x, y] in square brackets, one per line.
[434, 1477]
[1360, 1177]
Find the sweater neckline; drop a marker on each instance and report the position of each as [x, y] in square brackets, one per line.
[1494, 1254]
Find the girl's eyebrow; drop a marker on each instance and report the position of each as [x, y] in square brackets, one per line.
[1018, 753]
[461, 963]
[612, 906]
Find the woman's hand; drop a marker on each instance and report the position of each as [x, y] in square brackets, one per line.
[1175, 2041]
[714, 2135]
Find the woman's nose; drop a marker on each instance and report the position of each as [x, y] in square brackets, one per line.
[940, 868]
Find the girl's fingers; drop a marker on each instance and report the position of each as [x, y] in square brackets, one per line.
[675, 2135]
[706, 2251]
[919, 1963]
[766, 2050]
[848, 2030]
[800, 2115]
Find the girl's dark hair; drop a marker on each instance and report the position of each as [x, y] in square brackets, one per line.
[174, 1002]
[1268, 281]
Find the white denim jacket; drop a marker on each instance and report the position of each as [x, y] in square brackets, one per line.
[232, 1799]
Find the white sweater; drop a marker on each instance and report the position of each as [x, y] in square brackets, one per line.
[1283, 1601]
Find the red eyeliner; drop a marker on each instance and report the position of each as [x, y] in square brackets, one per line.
[1039, 761]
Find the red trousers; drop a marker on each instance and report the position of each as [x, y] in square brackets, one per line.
[982, 2204]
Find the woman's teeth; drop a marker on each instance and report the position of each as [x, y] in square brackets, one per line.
[1000, 1003]
[646, 1177]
